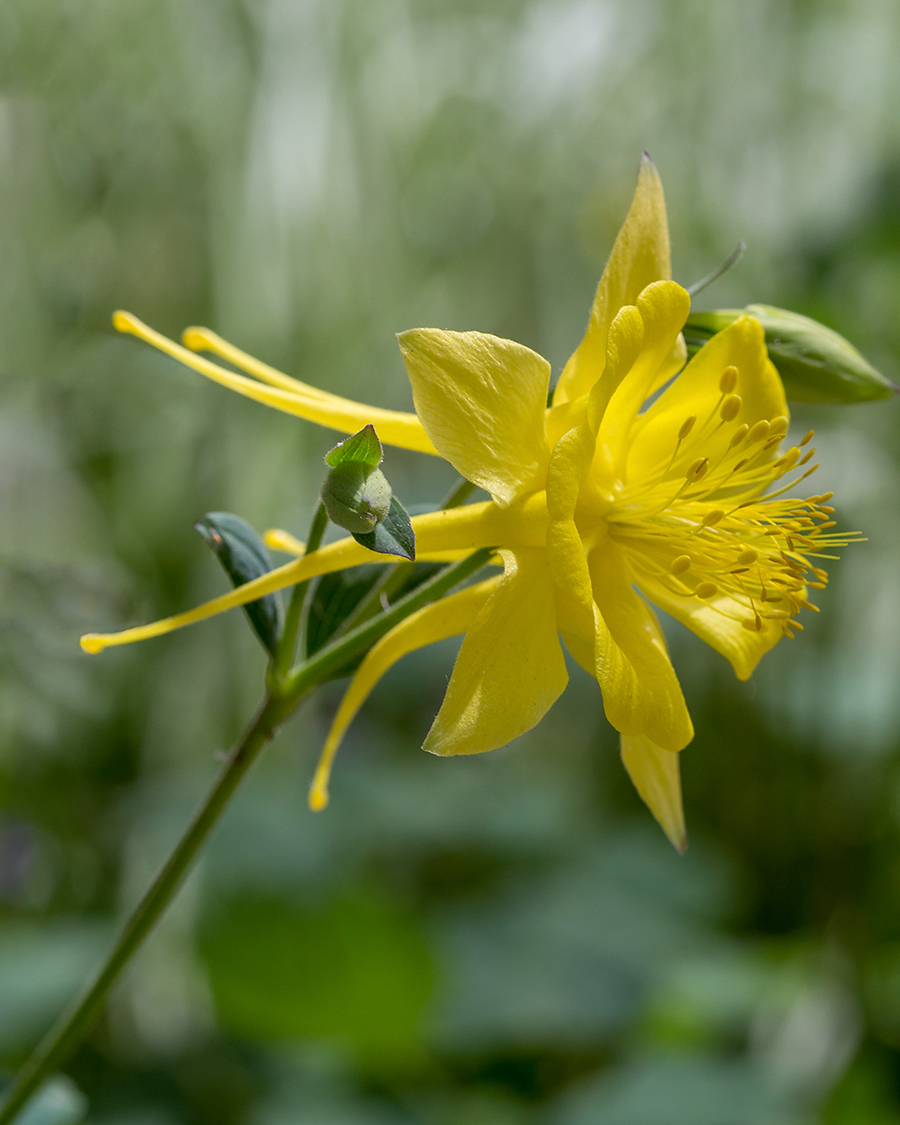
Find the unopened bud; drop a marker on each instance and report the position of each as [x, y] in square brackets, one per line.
[816, 364]
[356, 496]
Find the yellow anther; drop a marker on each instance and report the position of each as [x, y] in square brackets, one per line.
[681, 564]
[706, 590]
[737, 468]
[808, 437]
[686, 426]
[713, 517]
[807, 456]
[759, 431]
[754, 624]
[731, 407]
[738, 436]
[779, 425]
[789, 460]
[696, 469]
[745, 558]
[728, 381]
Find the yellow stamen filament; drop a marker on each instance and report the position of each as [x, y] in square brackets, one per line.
[731, 544]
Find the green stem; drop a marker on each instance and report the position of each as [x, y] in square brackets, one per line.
[329, 661]
[458, 494]
[66, 1034]
[396, 575]
[287, 643]
[285, 695]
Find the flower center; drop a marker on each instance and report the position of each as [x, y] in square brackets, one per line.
[711, 527]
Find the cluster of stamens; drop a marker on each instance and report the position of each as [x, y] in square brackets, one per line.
[715, 530]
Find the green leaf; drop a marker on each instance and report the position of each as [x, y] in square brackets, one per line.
[363, 446]
[337, 596]
[334, 599]
[816, 364]
[244, 557]
[393, 536]
[354, 970]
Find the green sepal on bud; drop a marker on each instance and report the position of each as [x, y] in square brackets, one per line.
[244, 556]
[358, 497]
[816, 364]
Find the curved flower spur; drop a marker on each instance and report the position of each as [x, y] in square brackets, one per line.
[599, 505]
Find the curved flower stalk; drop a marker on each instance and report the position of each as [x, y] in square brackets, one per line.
[600, 505]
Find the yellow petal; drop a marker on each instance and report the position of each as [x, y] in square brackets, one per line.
[696, 391]
[510, 668]
[279, 540]
[718, 622]
[447, 618]
[570, 461]
[438, 534]
[663, 307]
[623, 346]
[481, 400]
[641, 693]
[654, 773]
[205, 340]
[640, 256]
[394, 428]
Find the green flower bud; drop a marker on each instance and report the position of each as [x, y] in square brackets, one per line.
[816, 364]
[356, 496]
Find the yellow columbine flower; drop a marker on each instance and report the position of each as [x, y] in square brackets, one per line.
[599, 505]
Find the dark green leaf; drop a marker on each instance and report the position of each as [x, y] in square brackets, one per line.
[393, 536]
[363, 446]
[244, 557]
[334, 599]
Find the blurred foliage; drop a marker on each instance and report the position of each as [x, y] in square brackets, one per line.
[498, 940]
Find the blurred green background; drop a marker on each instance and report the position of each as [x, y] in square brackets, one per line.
[491, 941]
